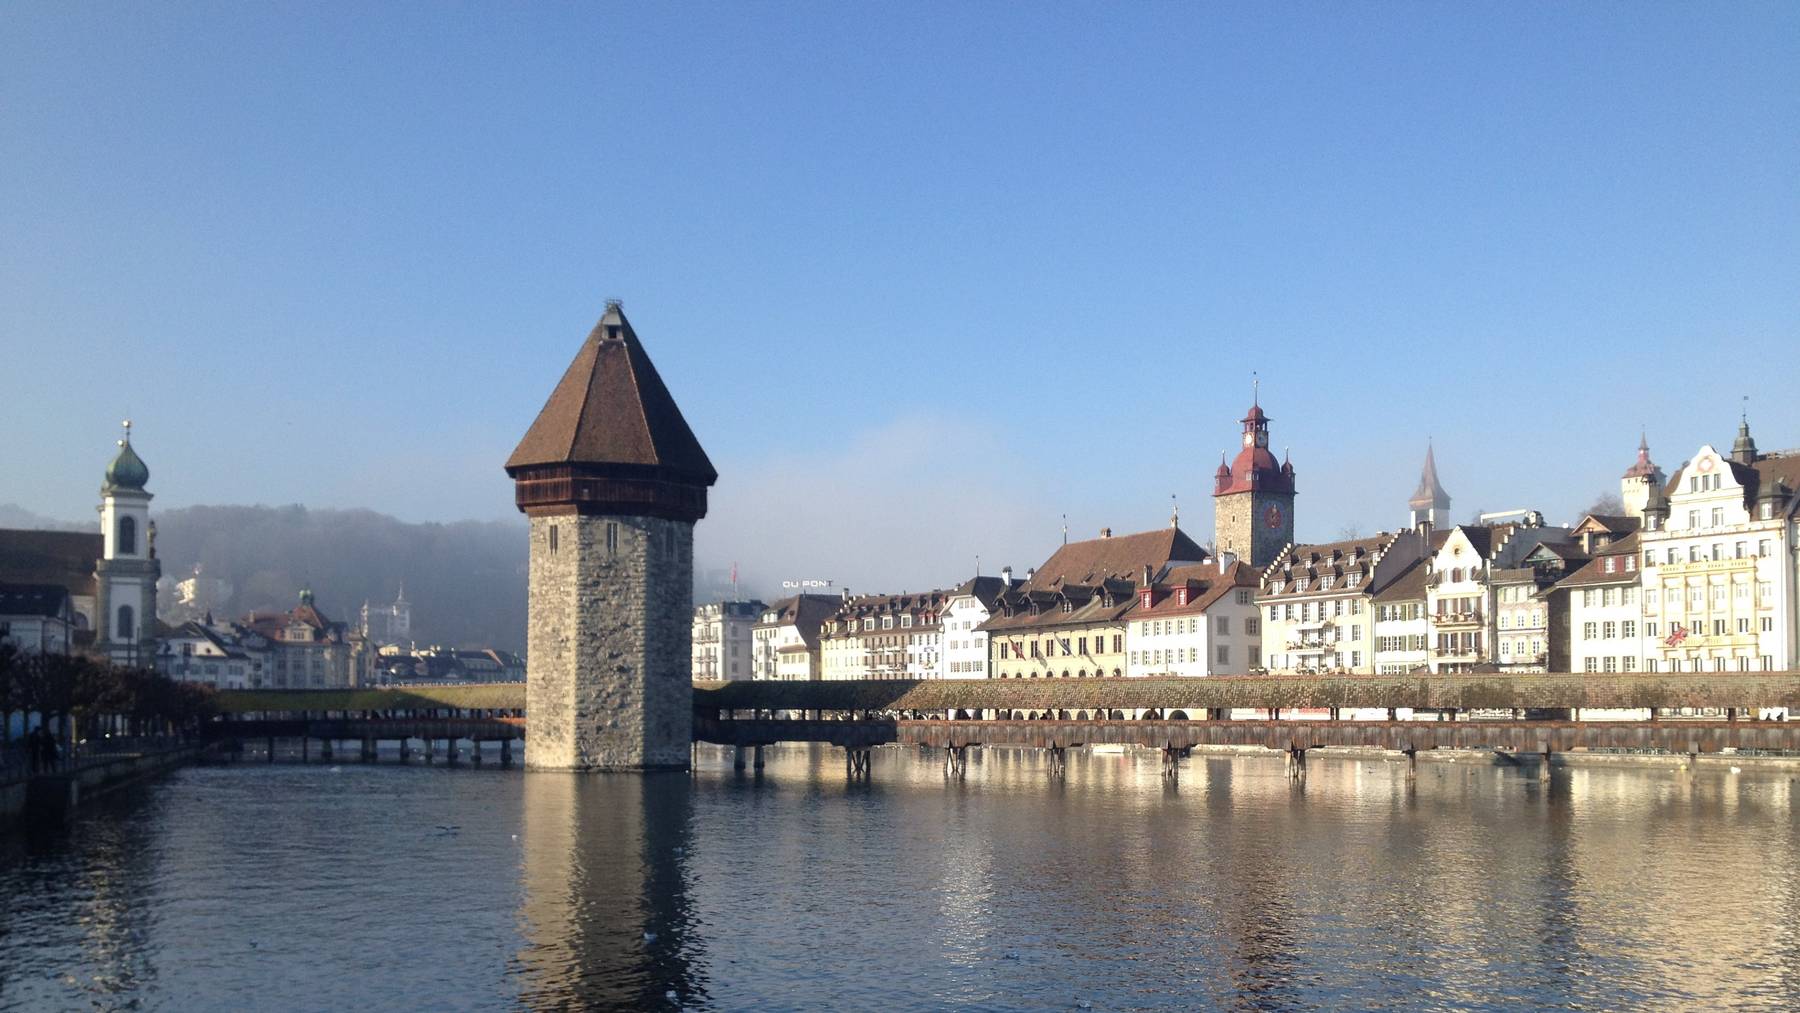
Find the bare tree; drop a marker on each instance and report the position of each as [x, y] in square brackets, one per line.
[1608, 504]
[1350, 532]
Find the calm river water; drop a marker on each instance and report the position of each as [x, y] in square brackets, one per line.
[291, 887]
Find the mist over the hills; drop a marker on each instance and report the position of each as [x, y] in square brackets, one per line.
[466, 580]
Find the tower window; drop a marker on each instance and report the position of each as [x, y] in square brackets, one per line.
[553, 539]
[127, 536]
[126, 616]
[612, 539]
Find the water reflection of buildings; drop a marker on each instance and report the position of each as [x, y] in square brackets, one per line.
[605, 903]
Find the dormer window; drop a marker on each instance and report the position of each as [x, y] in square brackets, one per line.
[1181, 596]
[1067, 606]
[1278, 586]
[1768, 510]
[1353, 580]
[1144, 598]
[1325, 583]
[1300, 585]
[906, 622]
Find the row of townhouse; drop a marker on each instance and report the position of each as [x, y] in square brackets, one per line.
[1698, 572]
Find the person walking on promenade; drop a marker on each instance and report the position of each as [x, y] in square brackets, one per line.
[43, 750]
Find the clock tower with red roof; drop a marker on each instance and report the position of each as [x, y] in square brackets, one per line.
[1253, 497]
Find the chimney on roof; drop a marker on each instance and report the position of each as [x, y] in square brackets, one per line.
[1006, 575]
[1225, 560]
[1105, 532]
[1147, 574]
[1030, 572]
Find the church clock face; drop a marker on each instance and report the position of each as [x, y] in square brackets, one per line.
[1272, 516]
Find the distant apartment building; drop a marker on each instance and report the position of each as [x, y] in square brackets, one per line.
[1402, 630]
[310, 651]
[37, 618]
[1718, 563]
[1318, 601]
[785, 639]
[1068, 619]
[722, 641]
[1196, 620]
[965, 610]
[222, 656]
[1604, 600]
[884, 636]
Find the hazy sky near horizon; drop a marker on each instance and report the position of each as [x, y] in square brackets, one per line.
[924, 278]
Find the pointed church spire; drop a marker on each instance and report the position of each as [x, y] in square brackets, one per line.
[1430, 492]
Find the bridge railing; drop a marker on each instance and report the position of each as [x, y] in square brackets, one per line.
[1649, 691]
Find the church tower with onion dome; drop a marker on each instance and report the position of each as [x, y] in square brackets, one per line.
[126, 575]
[1253, 497]
[612, 481]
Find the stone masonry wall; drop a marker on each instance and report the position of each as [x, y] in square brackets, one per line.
[609, 641]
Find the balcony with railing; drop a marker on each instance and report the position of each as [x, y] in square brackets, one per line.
[1463, 617]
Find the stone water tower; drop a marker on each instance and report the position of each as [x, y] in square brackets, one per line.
[612, 480]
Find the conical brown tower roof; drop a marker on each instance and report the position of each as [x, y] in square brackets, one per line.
[610, 439]
[611, 409]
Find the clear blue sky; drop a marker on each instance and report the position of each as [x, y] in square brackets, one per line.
[923, 279]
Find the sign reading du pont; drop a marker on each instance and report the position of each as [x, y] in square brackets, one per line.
[804, 585]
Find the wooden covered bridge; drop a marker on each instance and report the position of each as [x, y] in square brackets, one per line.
[1526, 715]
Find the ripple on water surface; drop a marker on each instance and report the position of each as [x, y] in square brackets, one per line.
[356, 886]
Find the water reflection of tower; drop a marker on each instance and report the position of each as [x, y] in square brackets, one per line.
[605, 907]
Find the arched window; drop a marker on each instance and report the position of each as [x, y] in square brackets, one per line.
[125, 617]
[127, 536]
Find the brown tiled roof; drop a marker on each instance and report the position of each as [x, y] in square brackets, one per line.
[1205, 587]
[63, 558]
[611, 408]
[806, 612]
[1297, 561]
[1409, 586]
[1122, 557]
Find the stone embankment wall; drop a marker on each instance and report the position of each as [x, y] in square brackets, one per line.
[53, 796]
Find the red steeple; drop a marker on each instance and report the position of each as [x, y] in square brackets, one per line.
[1255, 467]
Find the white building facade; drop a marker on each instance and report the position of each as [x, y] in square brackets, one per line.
[1194, 622]
[1719, 564]
[723, 646]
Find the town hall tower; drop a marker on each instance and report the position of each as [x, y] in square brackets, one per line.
[613, 481]
[1253, 497]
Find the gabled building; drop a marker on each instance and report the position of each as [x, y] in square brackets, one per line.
[218, 656]
[1402, 631]
[62, 559]
[965, 642]
[310, 651]
[1460, 597]
[1068, 619]
[1603, 599]
[1531, 628]
[1718, 562]
[1317, 601]
[1198, 619]
[884, 636]
[37, 618]
[785, 640]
